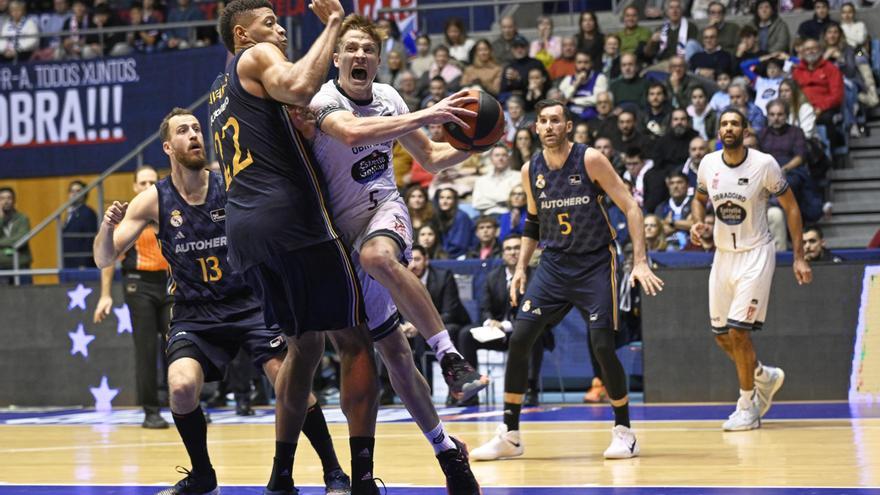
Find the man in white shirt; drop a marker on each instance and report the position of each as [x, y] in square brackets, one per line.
[492, 190]
[739, 181]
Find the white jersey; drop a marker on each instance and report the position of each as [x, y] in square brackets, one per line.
[360, 178]
[739, 194]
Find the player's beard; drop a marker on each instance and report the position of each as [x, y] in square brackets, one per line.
[190, 162]
[737, 143]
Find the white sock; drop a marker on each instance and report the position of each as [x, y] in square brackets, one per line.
[439, 439]
[441, 344]
[745, 399]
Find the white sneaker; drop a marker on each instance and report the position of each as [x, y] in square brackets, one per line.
[744, 419]
[767, 388]
[623, 444]
[503, 445]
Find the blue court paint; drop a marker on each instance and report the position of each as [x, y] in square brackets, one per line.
[638, 412]
[258, 490]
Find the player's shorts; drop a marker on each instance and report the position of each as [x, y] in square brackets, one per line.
[585, 281]
[739, 288]
[310, 289]
[216, 345]
[391, 219]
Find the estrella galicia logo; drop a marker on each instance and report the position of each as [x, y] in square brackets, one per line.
[369, 167]
[731, 213]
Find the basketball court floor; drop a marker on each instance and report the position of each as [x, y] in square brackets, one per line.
[803, 448]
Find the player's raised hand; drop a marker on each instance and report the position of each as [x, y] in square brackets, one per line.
[324, 9]
[802, 272]
[517, 286]
[643, 275]
[451, 109]
[115, 213]
[105, 304]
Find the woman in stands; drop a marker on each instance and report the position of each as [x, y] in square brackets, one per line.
[801, 112]
[454, 226]
[428, 238]
[421, 211]
[483, 69]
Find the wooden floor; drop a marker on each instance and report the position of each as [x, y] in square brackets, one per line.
[820, 452]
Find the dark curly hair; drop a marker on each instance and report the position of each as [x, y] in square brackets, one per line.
[231, 16]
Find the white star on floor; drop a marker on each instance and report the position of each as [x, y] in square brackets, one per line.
[104, 395]
[123, 319]
[78, 297]
[80, 341]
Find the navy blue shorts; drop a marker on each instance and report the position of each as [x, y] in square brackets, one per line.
[214, 346]
[585, 281]
[310, 289]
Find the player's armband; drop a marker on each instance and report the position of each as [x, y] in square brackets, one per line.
[532, 228]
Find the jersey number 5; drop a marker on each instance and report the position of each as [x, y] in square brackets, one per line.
[211, 271]
[564, 224]
[237, 165]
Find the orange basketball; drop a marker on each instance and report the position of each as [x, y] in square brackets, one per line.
[486, 128]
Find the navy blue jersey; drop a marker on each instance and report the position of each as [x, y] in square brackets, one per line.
[193, 240]
[275, 197]
[570, 209]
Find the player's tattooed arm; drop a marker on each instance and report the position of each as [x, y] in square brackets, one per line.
[122, 224]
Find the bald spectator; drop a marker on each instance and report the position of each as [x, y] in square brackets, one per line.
[503, 45]
[680, 84]
[564, 65]
[739, 99]
[630, 87]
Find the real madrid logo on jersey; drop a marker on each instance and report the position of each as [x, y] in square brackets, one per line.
[540, 182]
[527, 305]
[176, 218]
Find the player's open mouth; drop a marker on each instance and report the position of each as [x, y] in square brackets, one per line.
[195, 147]
[359, 74]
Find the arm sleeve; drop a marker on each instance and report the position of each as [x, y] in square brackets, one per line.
[324, 104]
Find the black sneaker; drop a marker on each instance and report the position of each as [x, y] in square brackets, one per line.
[459, 477]
[336, 482]
[193, 484]
[153, 420]
[531, 398]
[463, 380]
[243, 408]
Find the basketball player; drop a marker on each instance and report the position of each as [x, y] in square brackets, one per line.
[739, 182]
[357, 121]
[565, 185]
[214, 311]
[281, 235]
[145, 281]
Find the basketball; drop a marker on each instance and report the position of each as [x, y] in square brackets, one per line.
[486, 128]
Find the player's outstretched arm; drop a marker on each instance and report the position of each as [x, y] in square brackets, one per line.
[802, 271]
[122, 224]
[530, 238]
[343, 126]
[599, 168]
[265, 71]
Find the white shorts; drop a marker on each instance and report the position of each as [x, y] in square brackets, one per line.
[739, 288]
[391, 219]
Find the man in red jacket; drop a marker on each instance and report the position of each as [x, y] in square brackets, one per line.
[822, 83]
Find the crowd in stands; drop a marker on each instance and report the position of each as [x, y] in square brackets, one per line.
[21, 21]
